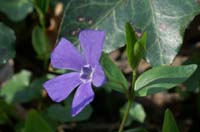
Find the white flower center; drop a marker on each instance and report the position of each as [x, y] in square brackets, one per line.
[86, 73]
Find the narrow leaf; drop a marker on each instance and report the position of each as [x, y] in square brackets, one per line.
[113, 74]
[131, 39]
[169, 124]
[162, 78]
[40, 43]
[140, 48]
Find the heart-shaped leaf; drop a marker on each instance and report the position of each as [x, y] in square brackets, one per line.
[164, 21]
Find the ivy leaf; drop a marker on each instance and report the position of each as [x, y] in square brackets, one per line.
[164, 21]
[7, 39]
[162, 78]
[16, 10]
[169, 124]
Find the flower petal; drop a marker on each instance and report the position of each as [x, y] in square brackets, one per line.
[60, 87]
[91, 42]
[99, 77]
[66, 56]
[83, 96]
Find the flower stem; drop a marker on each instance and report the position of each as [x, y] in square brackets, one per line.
[121, 128]
[130, 101]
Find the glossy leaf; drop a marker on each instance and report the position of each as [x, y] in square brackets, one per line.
[16, 10]
[7, 39]
[136, 112]
[16, 84]
[162, 78]
[140, 48]
[135, 47]
[40, 43]
[169, 124]
[164, 21]
[35, 123]
[113, 74]
[131, 39]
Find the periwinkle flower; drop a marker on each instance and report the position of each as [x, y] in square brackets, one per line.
[86, 70]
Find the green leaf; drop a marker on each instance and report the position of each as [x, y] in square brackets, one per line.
[62, 113]
[40, 43]
[140, 48]
[136, 130]
[162, 78]
[131, 39]
[113, 74]
[193, 83]
[164, 21]
[19, 89]
[169, 124]
[31, 92]
[7, 112]
[136, 112]
[7, 39]
[35, 123]
[135, 47]
[16, 84]
[43, 5]
[16, 10]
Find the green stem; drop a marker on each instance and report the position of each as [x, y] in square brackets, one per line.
[121, 128]
[133, 82]
[130, 101]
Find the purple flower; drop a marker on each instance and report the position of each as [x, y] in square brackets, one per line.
[86, 67]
